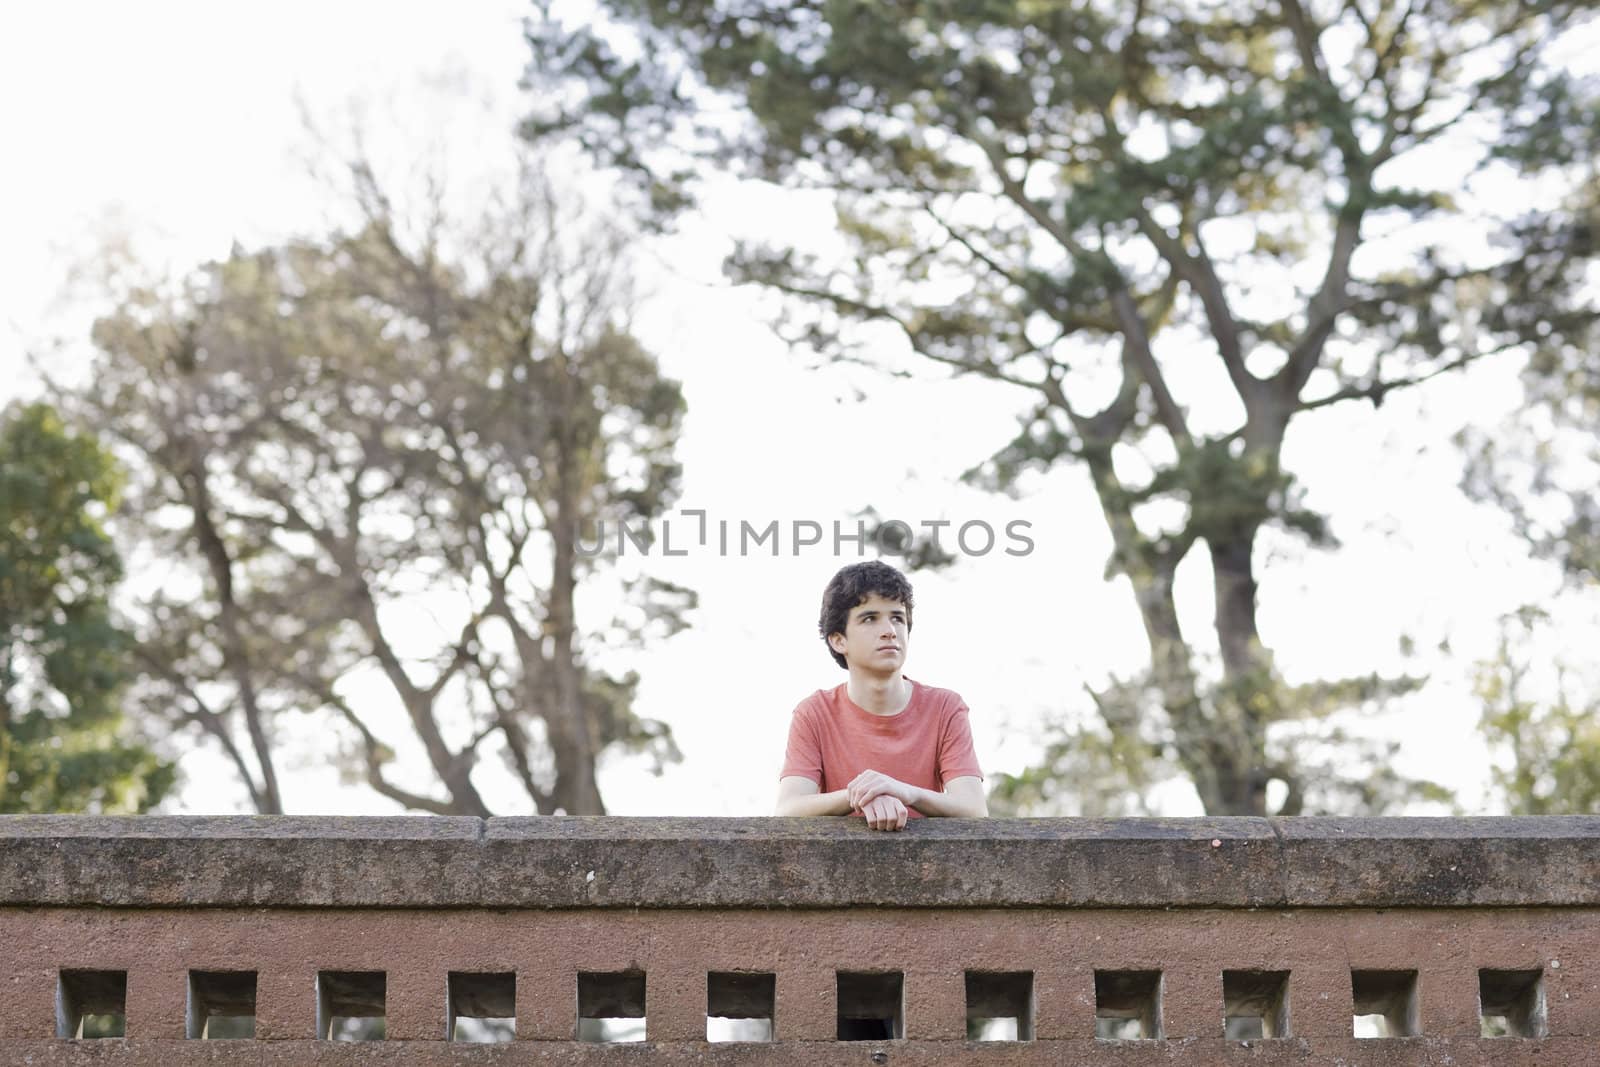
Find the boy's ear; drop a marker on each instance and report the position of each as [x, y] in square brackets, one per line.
[836, 642]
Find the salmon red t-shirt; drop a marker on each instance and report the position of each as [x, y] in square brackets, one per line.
[928, 742]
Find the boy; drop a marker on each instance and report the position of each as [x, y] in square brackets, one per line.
[881, 745]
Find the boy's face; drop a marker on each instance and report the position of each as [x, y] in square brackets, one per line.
[875, 636]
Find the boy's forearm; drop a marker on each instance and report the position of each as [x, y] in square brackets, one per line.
[834, 803]
[944, 805]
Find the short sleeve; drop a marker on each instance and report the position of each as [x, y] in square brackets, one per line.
[957, 757]
[802, 758]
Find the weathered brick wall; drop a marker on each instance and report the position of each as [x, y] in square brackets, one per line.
[1081, 930]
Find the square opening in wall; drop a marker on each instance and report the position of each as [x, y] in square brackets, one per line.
[482, 1007]
[222, 1005]
[1127, 1005]
[871, 1005]
[92, 1004]
[1385, 1004]
[1511, 1003]
[739, 1005]
[350, 1005]
[611, 1006]
[1255, 1004]
[999, 1005]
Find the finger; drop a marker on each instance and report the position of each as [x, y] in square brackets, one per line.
[881, 815]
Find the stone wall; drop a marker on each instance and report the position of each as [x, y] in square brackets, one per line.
[1193, 941]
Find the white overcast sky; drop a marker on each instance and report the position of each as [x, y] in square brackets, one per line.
[175, 124]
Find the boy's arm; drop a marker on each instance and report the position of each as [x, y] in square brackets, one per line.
[800, 796]
[962, 797]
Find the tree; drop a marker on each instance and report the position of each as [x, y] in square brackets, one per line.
[63, 662]
[1541, 468]
[1173, 229]
[371, 456]
[1550, 747]
[1542, 465]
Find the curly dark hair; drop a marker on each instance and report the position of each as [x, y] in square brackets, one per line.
[851, 587]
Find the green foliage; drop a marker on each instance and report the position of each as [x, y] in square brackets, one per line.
[1175, 230]
[1542, 465]
[1548, 749]
[1120, 762]
[1227, 492]
[63, 663]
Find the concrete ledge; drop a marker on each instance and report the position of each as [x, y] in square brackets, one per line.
[402, 862]
[1431, 863]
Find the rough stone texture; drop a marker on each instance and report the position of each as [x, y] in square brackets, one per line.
[1435, 863]
[801, 900]
[931, 948]
[796, 863]
[1424, 1052]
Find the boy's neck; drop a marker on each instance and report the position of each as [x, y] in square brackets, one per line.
[879, 694]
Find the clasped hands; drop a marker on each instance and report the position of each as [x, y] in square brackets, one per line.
[885, 801]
